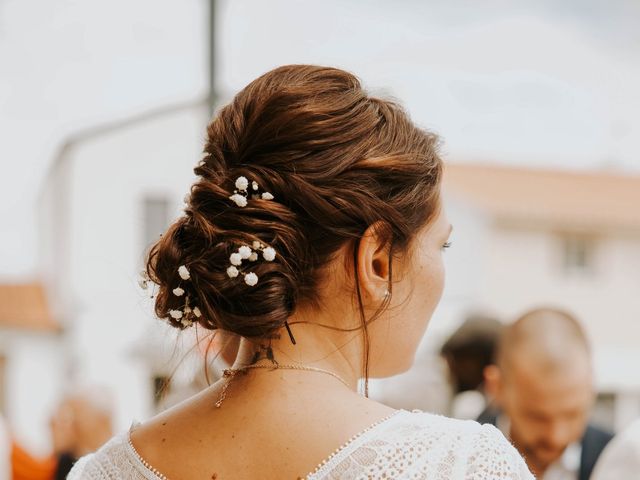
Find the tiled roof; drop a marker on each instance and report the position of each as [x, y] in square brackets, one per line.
[560, 197]
[24, 306]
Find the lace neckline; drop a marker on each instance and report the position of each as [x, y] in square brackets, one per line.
[346, 445]
[342, 448]
[142, 462]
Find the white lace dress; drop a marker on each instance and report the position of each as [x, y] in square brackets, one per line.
[406, 445]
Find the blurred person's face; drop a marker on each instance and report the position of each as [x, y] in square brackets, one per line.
[62, 428]
[92, 426]
[547, 411]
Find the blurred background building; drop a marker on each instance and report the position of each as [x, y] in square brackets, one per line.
[531, 237]
[103, 117]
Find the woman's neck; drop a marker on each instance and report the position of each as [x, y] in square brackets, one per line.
[318, 347]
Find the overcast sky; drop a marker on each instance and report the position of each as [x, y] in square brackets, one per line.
[528, 83]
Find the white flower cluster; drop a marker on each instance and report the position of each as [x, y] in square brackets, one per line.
[184, 273]
[187, 314]
[144, 280]
[241, 194]
[251, 254]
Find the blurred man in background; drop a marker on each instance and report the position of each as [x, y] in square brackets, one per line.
[468, 351]
[81, 424]
[542, 386]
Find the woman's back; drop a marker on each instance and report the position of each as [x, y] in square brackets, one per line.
[269, 426]
[297, 443]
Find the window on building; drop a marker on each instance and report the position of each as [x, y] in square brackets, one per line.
[156, 218]
[578, 253]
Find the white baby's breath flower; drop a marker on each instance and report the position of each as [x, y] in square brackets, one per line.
[253, 257]
[186, 322]
[239, 200]
[178, 292]
[235, 259]
[232, 272]
[242, 183]
[254, 184]
[184, 273]
[251, 279]
[177, 314]
[143, 284]
[196, 312]
[269, 254]
[245, 252]
[267, 196]
[256, 245]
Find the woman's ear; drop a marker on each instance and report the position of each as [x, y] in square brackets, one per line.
[374, 267]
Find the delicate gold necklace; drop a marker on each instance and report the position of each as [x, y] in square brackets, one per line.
[232, 372]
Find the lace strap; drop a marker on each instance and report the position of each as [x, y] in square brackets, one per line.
[346, 447]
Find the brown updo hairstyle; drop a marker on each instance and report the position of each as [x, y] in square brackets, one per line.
[336, 161]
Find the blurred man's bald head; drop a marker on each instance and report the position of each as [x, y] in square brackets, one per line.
[543, 383]
[545, 339]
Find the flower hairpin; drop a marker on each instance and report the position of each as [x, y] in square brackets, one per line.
[187, 314]
[146, 284]
[144, 280]
[250, 254]
[184, 272]
[241, 193]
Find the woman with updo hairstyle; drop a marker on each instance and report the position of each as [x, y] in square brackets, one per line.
[314, 234]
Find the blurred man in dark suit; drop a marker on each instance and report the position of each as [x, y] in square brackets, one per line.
[542, 390]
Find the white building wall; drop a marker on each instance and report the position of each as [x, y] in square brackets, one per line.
[109, 243]
[466, 267]
[526, 272]
[110, 174]
[517, 276]
[53, 238]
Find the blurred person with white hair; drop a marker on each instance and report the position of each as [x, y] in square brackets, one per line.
[542, 386]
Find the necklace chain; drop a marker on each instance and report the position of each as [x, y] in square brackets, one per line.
[300, 367]
[232, 372]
